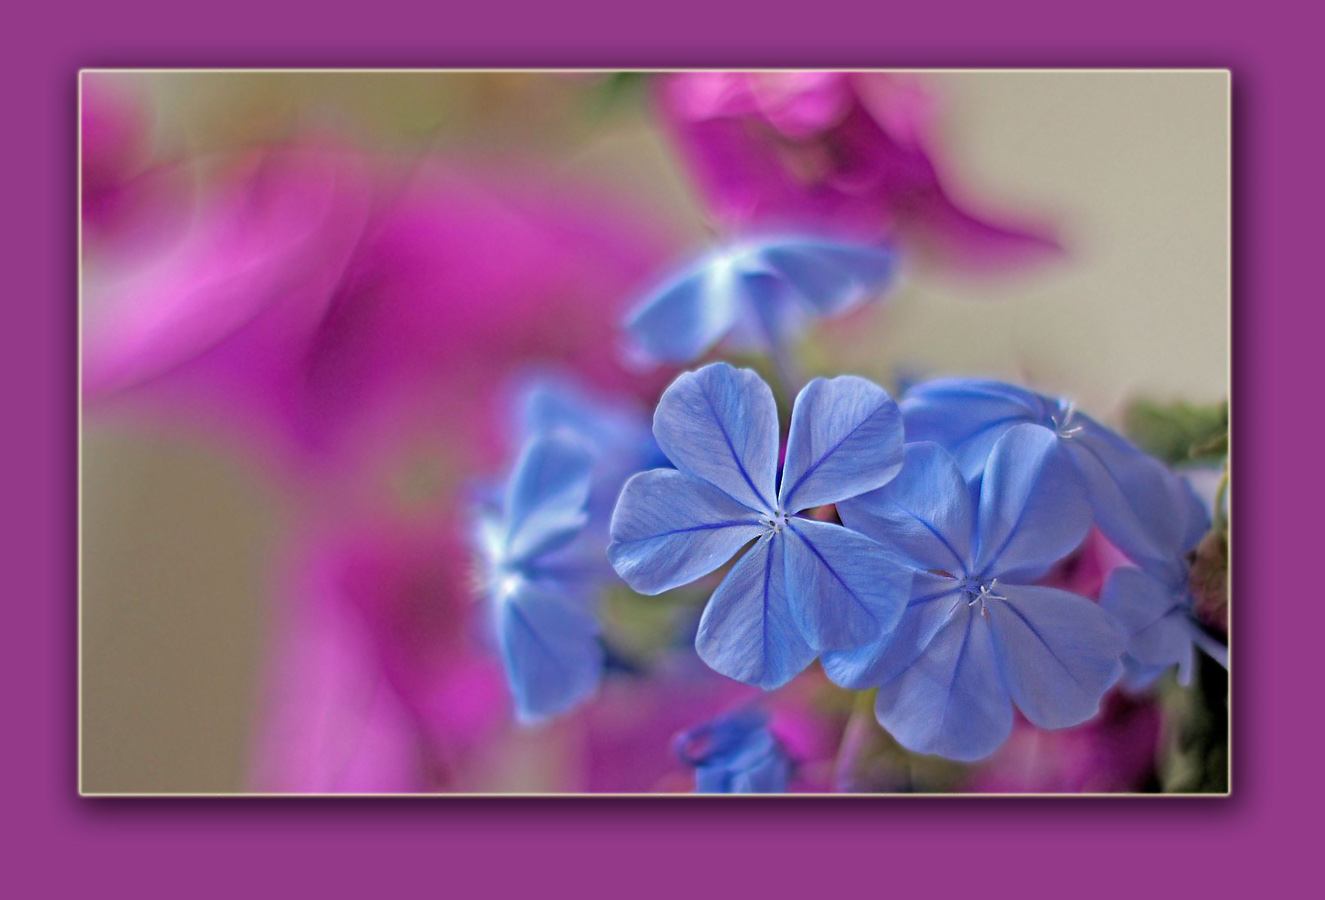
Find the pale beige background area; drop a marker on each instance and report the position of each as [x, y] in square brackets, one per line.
[178, 538]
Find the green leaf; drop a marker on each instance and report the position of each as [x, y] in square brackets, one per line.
[1179, 432]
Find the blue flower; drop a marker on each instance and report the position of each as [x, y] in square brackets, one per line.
[1142, 507]
[804, 586]
[976, 635]
[1154, 604]
[536, 581]
[736, 754]
[1156, 613]
[615, 433]
[759, 292]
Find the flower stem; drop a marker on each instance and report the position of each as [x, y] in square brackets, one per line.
[1221, 498]
[855, 739]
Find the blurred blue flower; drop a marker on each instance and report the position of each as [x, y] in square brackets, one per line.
[1157, 614]
[760, 293]
[614, 432]
[976, 636]
[804, 586]
[1154, 604]
[736, 754]
[1142, 507]
[536, 580]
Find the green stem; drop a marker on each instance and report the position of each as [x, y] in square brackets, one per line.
[855, 738]
[1221, 498]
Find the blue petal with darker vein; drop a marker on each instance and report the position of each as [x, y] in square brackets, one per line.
[845, 439]
[549, 647]
[670, 528]
[720, 424]
[844, 590]
[747, 631]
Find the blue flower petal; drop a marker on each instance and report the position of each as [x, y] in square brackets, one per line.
[546, 496]
[845, 439]
[1153, 615]
[933, 601]
[741, 757]
[968, 415]
[550, 648]
[1147, 511]
[616, 434]
[669, 528]
[607, 426]
[768, 774]
[736, 755]
[688, 315]
[1033, 511]
[720, 424]
[747, 631]
[725, 738]
[1059, 653]
[773, 315]
[844, 590]
[925, 515]
[831, 277]
[952, 702]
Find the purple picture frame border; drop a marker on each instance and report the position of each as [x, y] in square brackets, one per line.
[60, 845]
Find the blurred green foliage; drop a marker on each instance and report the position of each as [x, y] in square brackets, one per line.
[1195, 758]
[1179, 432]
[616, 92]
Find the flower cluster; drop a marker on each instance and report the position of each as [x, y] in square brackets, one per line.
[908, 547]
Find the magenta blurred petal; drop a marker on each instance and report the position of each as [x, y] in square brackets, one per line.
[380, 648]
[233, 295]
[834, 152]
[115, 147]
[314, 305]
[1085, 569]
[330, 724]
[1114, 752]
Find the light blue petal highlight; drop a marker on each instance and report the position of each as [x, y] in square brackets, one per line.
[546, 496]
[1033, 511]
[747, 631]
[687, 316]
[670, 528]
[844, 591]
[549, 647]
[952, 702]
[720, 424]
[1059, 653]
[845, 439]
[760, 291]
[926, 515]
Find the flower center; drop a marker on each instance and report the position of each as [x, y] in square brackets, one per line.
[506, 583]
[1062, 419]
[981, 593]
[777, 521]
